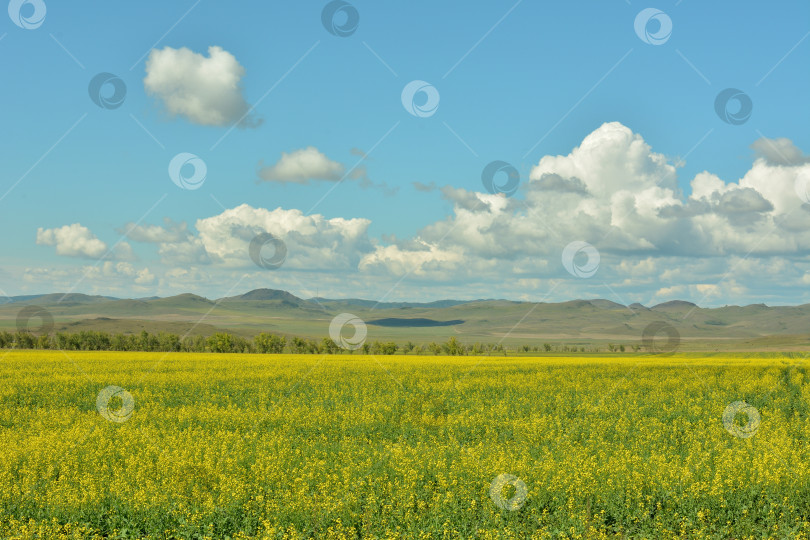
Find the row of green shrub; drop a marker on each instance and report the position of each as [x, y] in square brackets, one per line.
[88, 340]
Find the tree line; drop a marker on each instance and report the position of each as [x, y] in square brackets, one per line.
[263, 343]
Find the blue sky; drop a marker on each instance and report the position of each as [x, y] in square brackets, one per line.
[517, 82]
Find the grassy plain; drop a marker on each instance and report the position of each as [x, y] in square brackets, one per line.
[285, 446]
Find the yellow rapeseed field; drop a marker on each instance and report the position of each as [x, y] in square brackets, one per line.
[129, 445]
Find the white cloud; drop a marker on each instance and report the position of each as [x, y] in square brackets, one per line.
[171, 232]
[302, 165]
[183, 252]
[779, 151]
[616, 193]
[313, 242]
[176, 244]
[708, 289]
[73, 240]
[110, 269]
[145, 277]
[206, 90]
[610, 160]
[77, 240]
[429, 261]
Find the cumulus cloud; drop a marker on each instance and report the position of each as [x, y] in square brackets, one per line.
[145, 277]
[73, 240]
[77, 240]
[419, 259]
[110, 269]
[184, 252]
[779, 151]
[555, 182]
[739, 206]
[301, 166]
[612, 159]
[118, 273]
[615, 192]
[170, 232]
[313, 242]
[205, 90]
[177, 245]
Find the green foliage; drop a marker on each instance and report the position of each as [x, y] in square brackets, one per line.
[269, 343]
[453, 347]
[263, 343]
[328, 346]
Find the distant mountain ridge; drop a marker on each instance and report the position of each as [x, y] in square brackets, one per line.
[578, 322]
[278, 294]
[266, 294]
[253, 295]
[62, 298]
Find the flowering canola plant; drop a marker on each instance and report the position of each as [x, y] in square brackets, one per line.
[159, 445]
